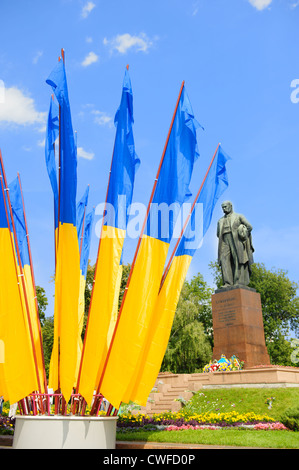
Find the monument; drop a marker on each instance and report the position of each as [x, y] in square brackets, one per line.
[236, 308]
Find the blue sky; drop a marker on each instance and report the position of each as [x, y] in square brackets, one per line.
[240, 63]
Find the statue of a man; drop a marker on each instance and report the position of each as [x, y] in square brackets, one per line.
[235, 247]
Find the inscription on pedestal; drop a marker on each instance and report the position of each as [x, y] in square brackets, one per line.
[225, 311]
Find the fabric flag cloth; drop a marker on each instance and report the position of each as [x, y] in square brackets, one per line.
[52, 133]
[171, 191]
[86, 239]
[102, 312]
[23, 244]
[81, 210]
[166, 302]
[18, 376]
[67, 278]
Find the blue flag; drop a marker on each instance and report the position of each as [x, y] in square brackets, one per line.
[19, 220]
[80, 212]
[214, 185]
[125, 161]
[51, 136]
[86, 242]
[68, 187]
[172, 189]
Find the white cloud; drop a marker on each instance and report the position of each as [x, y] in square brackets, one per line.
[123, 42]
[260, 4]
[83, 154]
[41, 143]
[102, 118]
[18, 108]
[37, 56]
[88, 7]
[294, 5]
[195, 8]
[91, 58]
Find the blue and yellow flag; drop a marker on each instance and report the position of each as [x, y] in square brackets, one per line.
[18, 376]
[67, 278]
[214, 185]
[17, 205]
[171, 191]
[51, 136]
[102, 313]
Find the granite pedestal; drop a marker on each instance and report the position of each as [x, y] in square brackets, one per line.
[238, 326]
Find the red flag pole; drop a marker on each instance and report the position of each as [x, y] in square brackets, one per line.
[59, 194]
[187, 220]
[34, 284]
[21, 275]
[140, 236]
[55, 247]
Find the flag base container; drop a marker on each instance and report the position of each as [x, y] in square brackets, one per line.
[65, 432]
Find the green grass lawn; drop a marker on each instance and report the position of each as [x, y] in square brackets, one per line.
[222, 437]
[244, 400]
[241, 400]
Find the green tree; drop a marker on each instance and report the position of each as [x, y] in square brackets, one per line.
[42, 303]
[199, 293]
[189, 348]
[48, 339]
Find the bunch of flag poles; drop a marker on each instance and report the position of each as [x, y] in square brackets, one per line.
[123, 348]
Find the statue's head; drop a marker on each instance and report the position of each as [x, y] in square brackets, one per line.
[227, 207]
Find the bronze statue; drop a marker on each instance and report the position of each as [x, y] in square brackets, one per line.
[235, 247]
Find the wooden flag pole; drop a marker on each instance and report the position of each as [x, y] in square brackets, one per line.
[34, 285]
[59, 194]
[21, 275]
[187, 219]
[140, 236]
[55, 247]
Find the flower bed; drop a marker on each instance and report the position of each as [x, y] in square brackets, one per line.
[181, 420]
[6, 425]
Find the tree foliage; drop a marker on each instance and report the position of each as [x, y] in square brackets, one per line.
[42, 303]
[48, 340]
[189, 346]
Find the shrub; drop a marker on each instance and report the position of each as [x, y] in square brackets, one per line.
[290, 418]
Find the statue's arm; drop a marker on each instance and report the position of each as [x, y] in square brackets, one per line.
[245, 222]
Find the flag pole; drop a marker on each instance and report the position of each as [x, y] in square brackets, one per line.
[21, 275]
[55, 248]
[187, 219]
[34, 284]
[141, 234]
[59, 191]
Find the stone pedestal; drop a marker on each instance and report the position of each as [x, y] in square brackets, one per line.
[238, 326]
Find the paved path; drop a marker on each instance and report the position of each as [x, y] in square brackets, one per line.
[6, 443]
